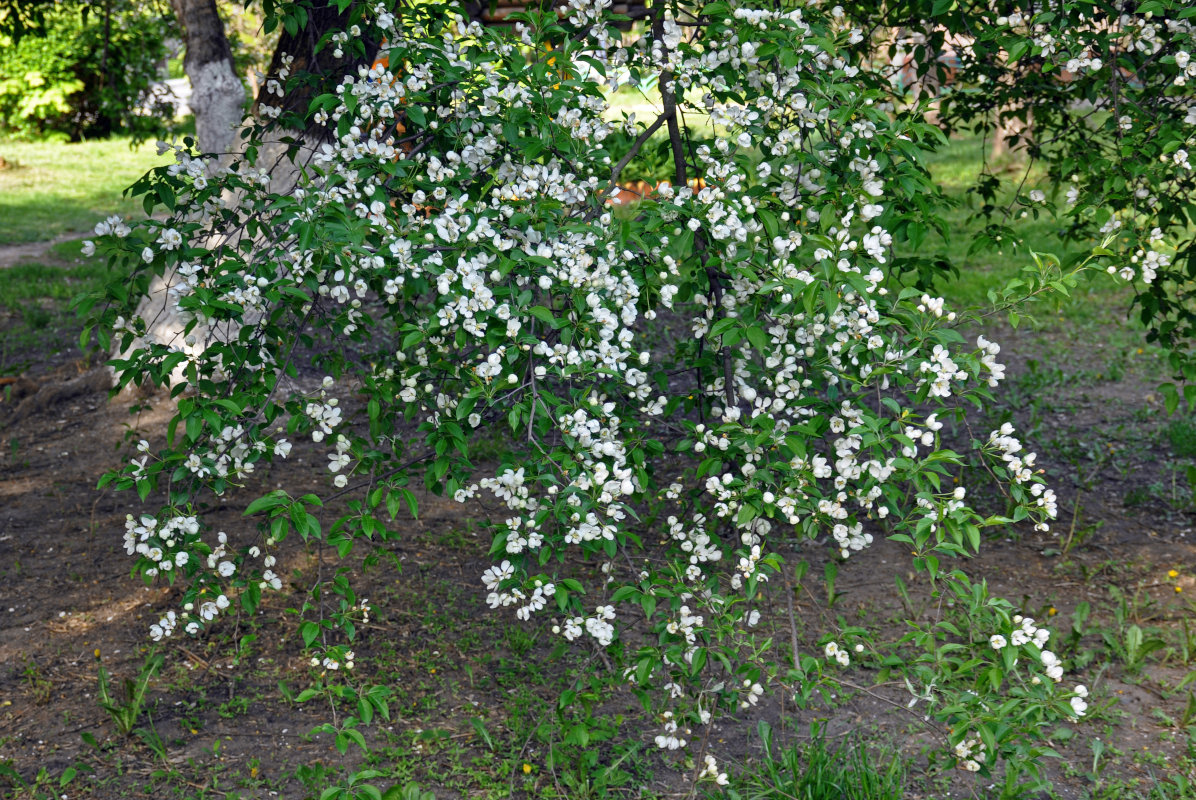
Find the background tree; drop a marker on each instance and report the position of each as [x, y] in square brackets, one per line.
[18, 17]
[1097, 94]
[217, 94]
[307, 63]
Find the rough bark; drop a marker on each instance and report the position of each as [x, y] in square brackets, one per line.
[217, 94]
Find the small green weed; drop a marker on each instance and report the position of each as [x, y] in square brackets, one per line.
[1127, 640]
[1138, 496]
[36, 682]
[1176, 787]
[233, 708]
[43, 786]
[126, 712]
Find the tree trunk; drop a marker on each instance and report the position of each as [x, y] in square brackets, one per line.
[1010, 132]
[281, 150]
[321, 70]
[217, 96]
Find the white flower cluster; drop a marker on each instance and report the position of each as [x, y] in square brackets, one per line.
[941, 370]
[208, 610]
[1021, 469]
[232, 453]
[1052, 665]
[1023, 633]
[694, 541]
[114, 226]
[686, 625]
[1149, 262]
[326, 416]
[167, 545]
[988, 360]
[670, 740]
[971, 753]
[1026, 633]
[1079, 703]
[752, 692]
[710, 771]
[832, 650]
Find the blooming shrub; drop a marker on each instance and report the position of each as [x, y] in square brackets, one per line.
[725, 372]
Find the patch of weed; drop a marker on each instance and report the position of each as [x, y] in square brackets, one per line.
[820, 770]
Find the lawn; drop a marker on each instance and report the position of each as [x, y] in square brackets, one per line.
[34, 300]
[48, 190]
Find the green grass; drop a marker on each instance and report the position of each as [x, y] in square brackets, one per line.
[33, 283]
[49, 189]
[35, 306]
[955, 168]
[820, 770]
[1098, 299]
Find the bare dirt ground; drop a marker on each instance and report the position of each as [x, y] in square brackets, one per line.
[474, 694]
[12, 254]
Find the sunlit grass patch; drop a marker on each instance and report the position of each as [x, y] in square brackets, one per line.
[49, 189]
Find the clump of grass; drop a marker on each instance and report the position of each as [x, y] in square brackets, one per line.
[1181, 435]
[819, 770]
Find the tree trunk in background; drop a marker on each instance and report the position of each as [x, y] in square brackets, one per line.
[322, 70]
[217, 96]
[282, 150]
[1010, 132]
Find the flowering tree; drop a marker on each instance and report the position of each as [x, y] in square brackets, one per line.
[727, 371]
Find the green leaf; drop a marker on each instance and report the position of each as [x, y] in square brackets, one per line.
[759, 339]
[272, 500]
[481, 731]
[412, 504]
[973, 535]
[309, 631]
[721, 327]
[544, 315]
[1170, 397]
[356, 737]
[166, 195]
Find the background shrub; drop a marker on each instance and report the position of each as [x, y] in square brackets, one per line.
[86, 74]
